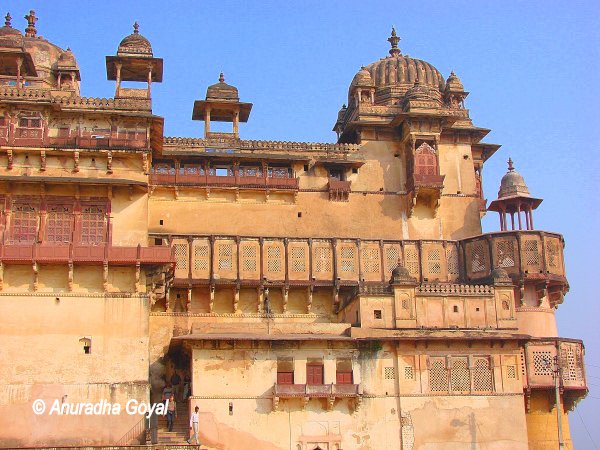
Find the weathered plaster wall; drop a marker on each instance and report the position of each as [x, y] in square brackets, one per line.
[542, 425]
[376, 208]
[44, 358]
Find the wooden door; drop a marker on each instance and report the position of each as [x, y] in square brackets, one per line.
[314, 374]
[285, 377]
[343, 377]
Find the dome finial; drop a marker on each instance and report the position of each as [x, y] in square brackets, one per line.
[510, 165]
[7, 20]
[393, 40]
[221, 78]
[30, 31]
[136, 28]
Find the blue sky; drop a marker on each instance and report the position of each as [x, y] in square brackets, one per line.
[532, 69]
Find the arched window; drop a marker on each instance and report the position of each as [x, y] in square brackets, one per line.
[425, 160]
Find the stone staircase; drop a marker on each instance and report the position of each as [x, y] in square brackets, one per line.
[181, 427]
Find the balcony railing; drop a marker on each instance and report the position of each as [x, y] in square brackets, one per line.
[96, 142]
[179, 179]
[338, 190]
[74, 103]
[432, 181]
[316, 390]
[62, 253]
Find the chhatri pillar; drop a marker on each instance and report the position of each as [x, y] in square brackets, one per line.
[514, 198]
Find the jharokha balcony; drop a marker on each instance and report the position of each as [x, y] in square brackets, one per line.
[23, 253]
[35, 135]
[425, 181]
[338, 189]
[207, 179]
[305, 392]
[528, 257]
[542, 359]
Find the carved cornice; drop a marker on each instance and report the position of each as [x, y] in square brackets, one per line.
[282, 146]
[75, 294]
[242, 315]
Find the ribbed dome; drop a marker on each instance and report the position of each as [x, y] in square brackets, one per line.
[222, 91]
[419, 91]
[395, 74]
[135, 44]
[453, 83]
[512, 184]
[402, 70]
[400, 271]
[362, 78]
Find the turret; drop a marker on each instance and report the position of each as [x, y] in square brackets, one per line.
[222, 104]
[17, 62]
[514, 197]
[134, 62]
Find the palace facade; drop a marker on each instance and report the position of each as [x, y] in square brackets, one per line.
[319, 295]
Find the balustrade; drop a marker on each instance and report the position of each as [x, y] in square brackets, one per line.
[172, 177]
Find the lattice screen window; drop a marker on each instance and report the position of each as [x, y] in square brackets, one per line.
[225, 257]
[452, 260]
[478, 257]
[522, 361]
[482, 375]
[249, 258]
[24, 223]
[201, 256]
[552, 253]
[460, 379]
[192, 169]
[409, 373]
[532, 254]
[298, 259]
[511, 372]
[181, 256]
[505, 253]
[434, 261]
[370, 259]
[274, 263]
[347, 255]
[322, 259]
[92, 225]
[542, 363]
[392, 258]
[411, 260]
[438, 375]
[389, 373]
[571, 362]
[59, 227]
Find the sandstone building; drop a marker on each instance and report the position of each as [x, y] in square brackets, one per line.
[332, 296]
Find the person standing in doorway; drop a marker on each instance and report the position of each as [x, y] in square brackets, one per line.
[186, 386]
[194, 427]
[176, 383]
[171, 412]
